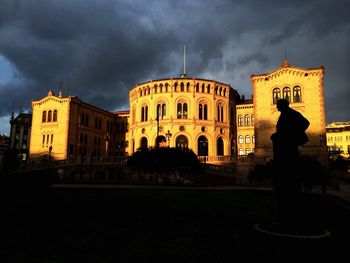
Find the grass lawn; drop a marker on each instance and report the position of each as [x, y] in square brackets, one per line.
[168, 225]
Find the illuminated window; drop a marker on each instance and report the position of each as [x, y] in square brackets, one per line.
[246, 120]
[276, 95]
[220, 112]
[247, 139]
[286, 93]
[253, 139]
[161, 110]
[240, 139]
[247, 151]
[241, 151]
[182, 110]
[296, 94]
[240, 120]
[202, 111]
[44, 116]
[54, 115]
[49, 116]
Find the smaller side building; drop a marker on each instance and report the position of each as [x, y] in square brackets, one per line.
[20, 135]
[338, 138]
[245, 127]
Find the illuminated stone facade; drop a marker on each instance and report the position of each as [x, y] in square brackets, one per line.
[304, 89]
[198, 114]
[72, 128]
[245, 127]
[338, 137]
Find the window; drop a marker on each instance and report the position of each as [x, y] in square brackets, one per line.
[43, 140]
[188, 87]
[208, 88]
[175, 86]
[161, 110]
[144, 113]
[44, 116]
[82, 119]
[197, 87]
[166, 87]
[240, 139]
[253, 139]
[296, 94]
[161, 88]
[182, 87]
[240, 120]
[51, 138]
[49, 116]
[241, 151]
[203, 111]
[252, 119]
[286, 93]
[220, 112]
[276, 95]
[247, 139]
[246, 120]
[247, 151]
[182, 110]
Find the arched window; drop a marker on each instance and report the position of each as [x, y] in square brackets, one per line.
[286, 93]
[220, 147]
[144, 143]
[49, 116]
[197, 87]
[203, 88]
[44, 117]
[247, 139]
[276, 95]
[160, 88]
[224, 92]
[144, 113]
[220, 91]
[252, 119]
[253, 139]
[182, 87]
[175, 86]
[216, 90]
[182, 110]
[51, 138]
[181, 142]
[43, 140]
[188, 87]
[296, 94]
[208, 88]
[202, 146]
[161, 110]
[166, 87]
[240, 139]
[246, 120]
[47, 139]
[202, 111]
[220, 112]
[241, 151]
[240, 121]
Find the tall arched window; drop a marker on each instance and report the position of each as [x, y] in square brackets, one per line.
[188, 86]
[276, 95]
[43, 140]
[144, 113]
[54, 118]
[182, 110]
[247, 139]
[197, 87]
[252, 119]
[175, 86]
[182, 87]
[44, 117]
[240, 121]
[161, 110]
[202, 146]
[203, 85]
[202, 111]
[49, 116]
[286, 93]
[220, 112]
[166, 87]
[51, 138]
[220, 147]
[208, 88]
[181, 142]
[246, 120]
[240, 139]
[296, 94]
[160, 88]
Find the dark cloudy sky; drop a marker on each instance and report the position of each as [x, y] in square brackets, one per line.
[101, 49]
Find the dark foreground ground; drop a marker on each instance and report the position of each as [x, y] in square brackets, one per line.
[166, 225]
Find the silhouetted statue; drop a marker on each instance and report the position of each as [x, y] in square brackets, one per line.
[290, 133]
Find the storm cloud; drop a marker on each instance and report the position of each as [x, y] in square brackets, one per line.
[101, 49]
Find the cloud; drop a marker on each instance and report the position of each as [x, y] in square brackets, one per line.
[101, 49]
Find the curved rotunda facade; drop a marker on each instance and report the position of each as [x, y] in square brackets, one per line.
[183, 112]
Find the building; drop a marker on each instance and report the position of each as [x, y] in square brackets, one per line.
[338, 138]
[4, 147]
[20, 135]
[183, 112]
[65, 127]
[204, 115]
[303, 88]
[245, 127]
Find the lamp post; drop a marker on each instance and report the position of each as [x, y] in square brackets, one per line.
[168, 135]
[50, 150]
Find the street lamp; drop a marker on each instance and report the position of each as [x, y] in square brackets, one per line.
[168, 135]
[50, 150]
